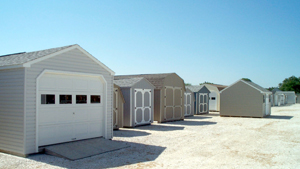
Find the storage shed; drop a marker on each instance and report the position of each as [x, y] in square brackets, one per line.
[189, 100]
[245, 98]
[169, 95]
[214, 97]
[201, 94]
[278, 98]
[52, 96]
[118, 107]
[139, 98]
[290, 96]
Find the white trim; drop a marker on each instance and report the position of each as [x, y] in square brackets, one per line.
[69, 73]
[28, 64]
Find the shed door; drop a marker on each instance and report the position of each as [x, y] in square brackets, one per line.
[115, 108]
[213, 101]
[142, 105]
[187, 104]
[70, 107]
[173, 103]
[203, 100]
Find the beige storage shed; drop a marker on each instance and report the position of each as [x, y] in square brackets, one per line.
[245, 98]
[168, 95]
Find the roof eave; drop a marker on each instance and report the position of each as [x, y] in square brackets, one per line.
[12, 66]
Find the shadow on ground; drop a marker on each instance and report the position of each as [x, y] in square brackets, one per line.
[192, 123]
[279, 117]
[129, 133]
[160, 127]
[197, 117]
[126, 156]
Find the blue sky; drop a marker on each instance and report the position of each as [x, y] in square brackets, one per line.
[215, 41]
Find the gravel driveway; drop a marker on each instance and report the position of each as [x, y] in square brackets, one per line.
[202, 141]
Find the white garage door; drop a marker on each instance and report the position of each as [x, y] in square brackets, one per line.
[70, 107]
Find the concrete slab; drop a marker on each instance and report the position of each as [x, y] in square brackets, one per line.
[84, 148]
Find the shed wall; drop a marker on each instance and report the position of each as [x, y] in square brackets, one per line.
[120, 108]
[127, 109]
[157, 105]
[12, 111]
[73, 61]
[241, 100]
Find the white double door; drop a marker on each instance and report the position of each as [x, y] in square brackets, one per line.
[81, 117]
[187, 104]
[142, 106]
[203, 100]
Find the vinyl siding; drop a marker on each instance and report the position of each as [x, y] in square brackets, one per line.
[72, 61]
[241, 100]
[12, 111]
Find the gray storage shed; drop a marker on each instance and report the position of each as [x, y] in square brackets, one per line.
[201, 94]
[139, 98]
[189, 100]
[245, 98]
[118, 107]
[52, 96]
[169, 95]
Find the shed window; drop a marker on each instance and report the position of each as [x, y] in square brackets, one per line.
[213, 98]
[95, 99]
[65, 99]
[81, 99]
[47, 99]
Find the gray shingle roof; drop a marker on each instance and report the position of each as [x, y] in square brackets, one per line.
[156, 80]
[24, 57]
[195, 88]
[127, 82]
[263, 90]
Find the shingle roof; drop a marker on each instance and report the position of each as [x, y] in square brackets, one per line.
[195, 88]
[275, 90]
[263, 90]
[156, 80]
[220, 87]
[211, 87]
[24, 57]
[127, 82]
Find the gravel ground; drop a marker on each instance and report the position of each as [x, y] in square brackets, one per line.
[206, 141]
